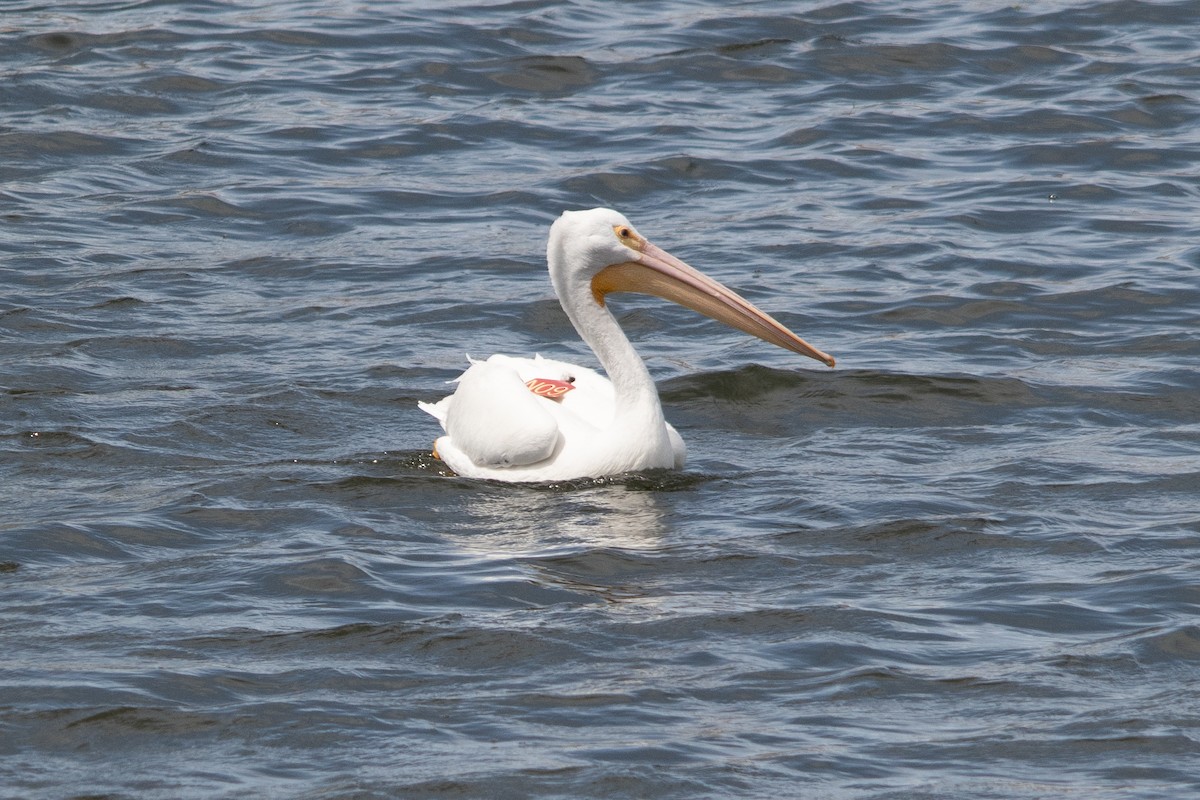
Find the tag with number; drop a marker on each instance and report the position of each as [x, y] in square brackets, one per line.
[544, 387]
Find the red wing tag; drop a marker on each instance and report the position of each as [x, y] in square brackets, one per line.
[544, 387]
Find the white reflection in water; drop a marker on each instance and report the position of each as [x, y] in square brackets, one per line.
[507, 522]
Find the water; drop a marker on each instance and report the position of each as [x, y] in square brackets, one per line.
[240, 241]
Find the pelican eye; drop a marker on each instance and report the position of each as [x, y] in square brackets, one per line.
[627, 237]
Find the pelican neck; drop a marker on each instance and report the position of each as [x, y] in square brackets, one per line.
[634, 389]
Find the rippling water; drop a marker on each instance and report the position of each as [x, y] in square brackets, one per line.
[240, 241]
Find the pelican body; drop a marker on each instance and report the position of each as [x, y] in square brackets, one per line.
[531, 420]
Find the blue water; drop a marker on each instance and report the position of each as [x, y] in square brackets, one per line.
[239, 242]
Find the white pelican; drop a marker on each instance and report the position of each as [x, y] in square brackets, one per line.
[521, 419]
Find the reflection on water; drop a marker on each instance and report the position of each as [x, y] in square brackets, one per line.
[535, 522]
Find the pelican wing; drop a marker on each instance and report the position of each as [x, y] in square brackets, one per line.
[591, 401]
[495, 421]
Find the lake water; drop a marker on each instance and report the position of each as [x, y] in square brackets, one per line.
[240, 241]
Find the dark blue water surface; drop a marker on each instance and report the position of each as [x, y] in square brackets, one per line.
[239, 242]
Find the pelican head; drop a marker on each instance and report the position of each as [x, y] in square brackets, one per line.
[584, 242]
[597, 252]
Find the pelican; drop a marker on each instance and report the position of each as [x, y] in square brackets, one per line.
[533, 420]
